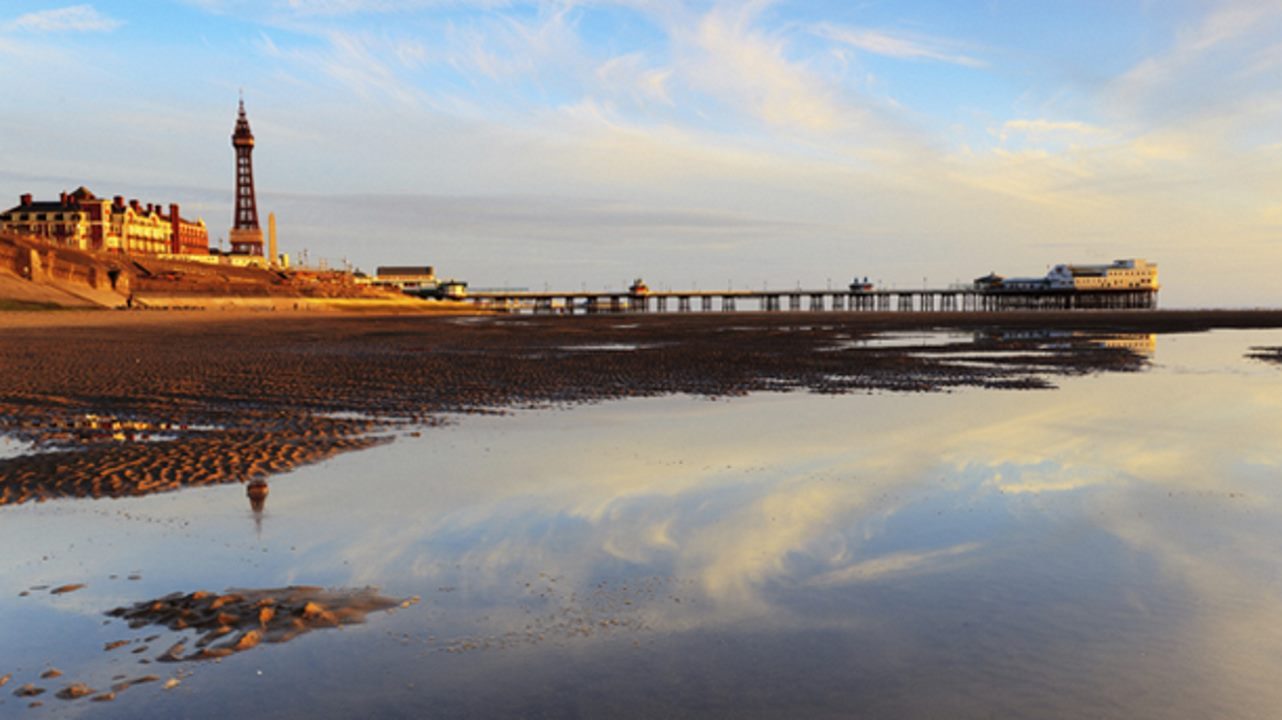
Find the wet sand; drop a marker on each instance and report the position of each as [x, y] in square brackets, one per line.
[131, 403]
[216, 625]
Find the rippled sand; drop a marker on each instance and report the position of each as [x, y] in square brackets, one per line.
[121, 404]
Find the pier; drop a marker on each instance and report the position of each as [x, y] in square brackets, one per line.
[955, 299]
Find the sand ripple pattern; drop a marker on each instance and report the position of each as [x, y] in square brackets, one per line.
[245, 397]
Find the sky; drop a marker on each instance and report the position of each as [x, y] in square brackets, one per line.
[698, 144]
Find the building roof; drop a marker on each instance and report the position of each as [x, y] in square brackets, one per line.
[83, 194]
[405, 270]
[40, 206]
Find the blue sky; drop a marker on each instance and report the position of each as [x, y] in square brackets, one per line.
[693, 142]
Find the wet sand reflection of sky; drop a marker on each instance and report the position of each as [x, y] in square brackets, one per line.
[1107, 548]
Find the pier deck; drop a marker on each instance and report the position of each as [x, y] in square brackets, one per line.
[799, 300]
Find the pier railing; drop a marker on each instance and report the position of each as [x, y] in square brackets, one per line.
[925, 300]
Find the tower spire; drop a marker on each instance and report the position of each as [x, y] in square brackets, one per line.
[246, 236]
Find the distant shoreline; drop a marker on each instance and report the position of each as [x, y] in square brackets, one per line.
[1156, 321]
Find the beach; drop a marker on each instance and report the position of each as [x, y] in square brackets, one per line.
[636, 516]
[128, 403]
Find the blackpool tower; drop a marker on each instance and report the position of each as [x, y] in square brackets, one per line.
[246, 236]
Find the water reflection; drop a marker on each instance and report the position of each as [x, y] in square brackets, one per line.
[1106, 549]
[257, 491]
[1144, 344]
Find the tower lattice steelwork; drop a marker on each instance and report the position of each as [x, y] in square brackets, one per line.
[246, 236]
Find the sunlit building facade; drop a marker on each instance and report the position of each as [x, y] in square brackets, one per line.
[83, 221]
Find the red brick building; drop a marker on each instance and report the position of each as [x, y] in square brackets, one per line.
[84, 221]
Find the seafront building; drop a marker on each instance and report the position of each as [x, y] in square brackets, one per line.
[82, 221]
[1133, 274]
[404, 277]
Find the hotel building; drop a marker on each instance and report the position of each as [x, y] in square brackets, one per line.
[83, 221]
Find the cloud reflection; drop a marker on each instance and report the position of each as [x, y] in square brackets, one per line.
[1123, 523]
[821, 493]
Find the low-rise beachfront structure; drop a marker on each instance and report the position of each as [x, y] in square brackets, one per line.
[405, 277]
[417, 280]
[83, 221]
[1133, 274]
[1122, 284]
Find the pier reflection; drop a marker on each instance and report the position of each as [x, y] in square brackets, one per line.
[1140, 343]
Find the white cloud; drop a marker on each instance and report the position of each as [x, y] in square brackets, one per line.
[332, 8]
[364, 64]
[903, 47]
[1222, 66]
[1041, 129]
[1231, 21]
[628, 75]
[75, 18]
[750, 68]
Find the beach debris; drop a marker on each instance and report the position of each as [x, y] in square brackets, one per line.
[113, 645]
[252, 616]
[247, 640]
[174, 653]
[29, 690]
[64, 589]
[126, 684]
[75, 691]
[50, 674]
[105, 697]
[172, 683]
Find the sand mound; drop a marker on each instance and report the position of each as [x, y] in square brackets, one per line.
[239, 620]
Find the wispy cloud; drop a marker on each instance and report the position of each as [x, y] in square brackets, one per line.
[628, 75]
[364, 64]
[1041, 129]
[899, 46]
[1222, 65]
[749, 67]
[893, 565]
[336, 8]
[75, 18]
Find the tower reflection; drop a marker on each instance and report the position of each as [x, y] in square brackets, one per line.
[257, 492]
